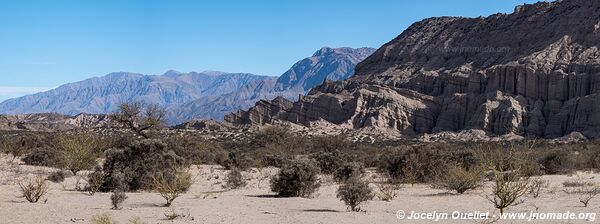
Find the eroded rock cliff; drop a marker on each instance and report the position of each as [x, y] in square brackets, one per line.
[534, 73]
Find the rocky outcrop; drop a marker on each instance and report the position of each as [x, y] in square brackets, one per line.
[53, 122]
[534, 73]
[261, 113]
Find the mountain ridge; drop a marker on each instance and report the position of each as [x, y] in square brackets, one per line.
[534, 72]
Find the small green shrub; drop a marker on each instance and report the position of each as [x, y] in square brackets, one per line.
[354, 192]
[171, 185]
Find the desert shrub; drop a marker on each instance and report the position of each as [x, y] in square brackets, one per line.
[117, 198]
[103, 219]
[199, 150]
[33, 190]
[509, 179]
[298, 178]
[557, 161]
[330, 161]
[235, 179]
[349, 170]
[275, 160]
[271, 135]
[95, 180]
[412, 165]
[388, 191]
[139, 117]
[536, 186]
[237, 160]
[457, 178]
[79, 151]
[368, 155]
[354, 192]
[330, 143]
[586, 191]
[45, 156]
[57, 176]
[132, 167]
[19, 145]
[171, 185]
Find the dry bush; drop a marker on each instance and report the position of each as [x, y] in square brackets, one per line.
[298, 178]
[235, 179]
[57, 176]
[271, 135]
[457, 178]
[536, 186]
[171, 214]
[79, 151]
[330, 143]
[509, 175]
[33, 190]
[132, 167]
[388, 191]
[171, 185]
[354, 192]
[139, 117]
[330, 161]
[117, 198]
[586, 191]
[411, 165]
[238, 160]
[18, 145]
[95, 180]
[349, 170]
[198, 150]
[43, 156]
[557, 161]
[103, 219]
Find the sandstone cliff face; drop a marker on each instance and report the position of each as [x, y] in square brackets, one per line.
[535, 73]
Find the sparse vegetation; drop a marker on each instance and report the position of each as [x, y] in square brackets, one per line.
[457, 178]
[103, 219]
[57, 176]
[349, 170]
[171, 185]
[585, 190]
[44, 156]
[117, 198]
[298, 178]
[354, 192]
[33, 189]
[235, 179]
[536, 186]
[388, 191]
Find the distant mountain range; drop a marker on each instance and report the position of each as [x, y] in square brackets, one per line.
[192, 95]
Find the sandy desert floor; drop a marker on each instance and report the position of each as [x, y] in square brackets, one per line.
[207, 202]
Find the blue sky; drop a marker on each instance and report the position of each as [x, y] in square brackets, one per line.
[44, 44]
